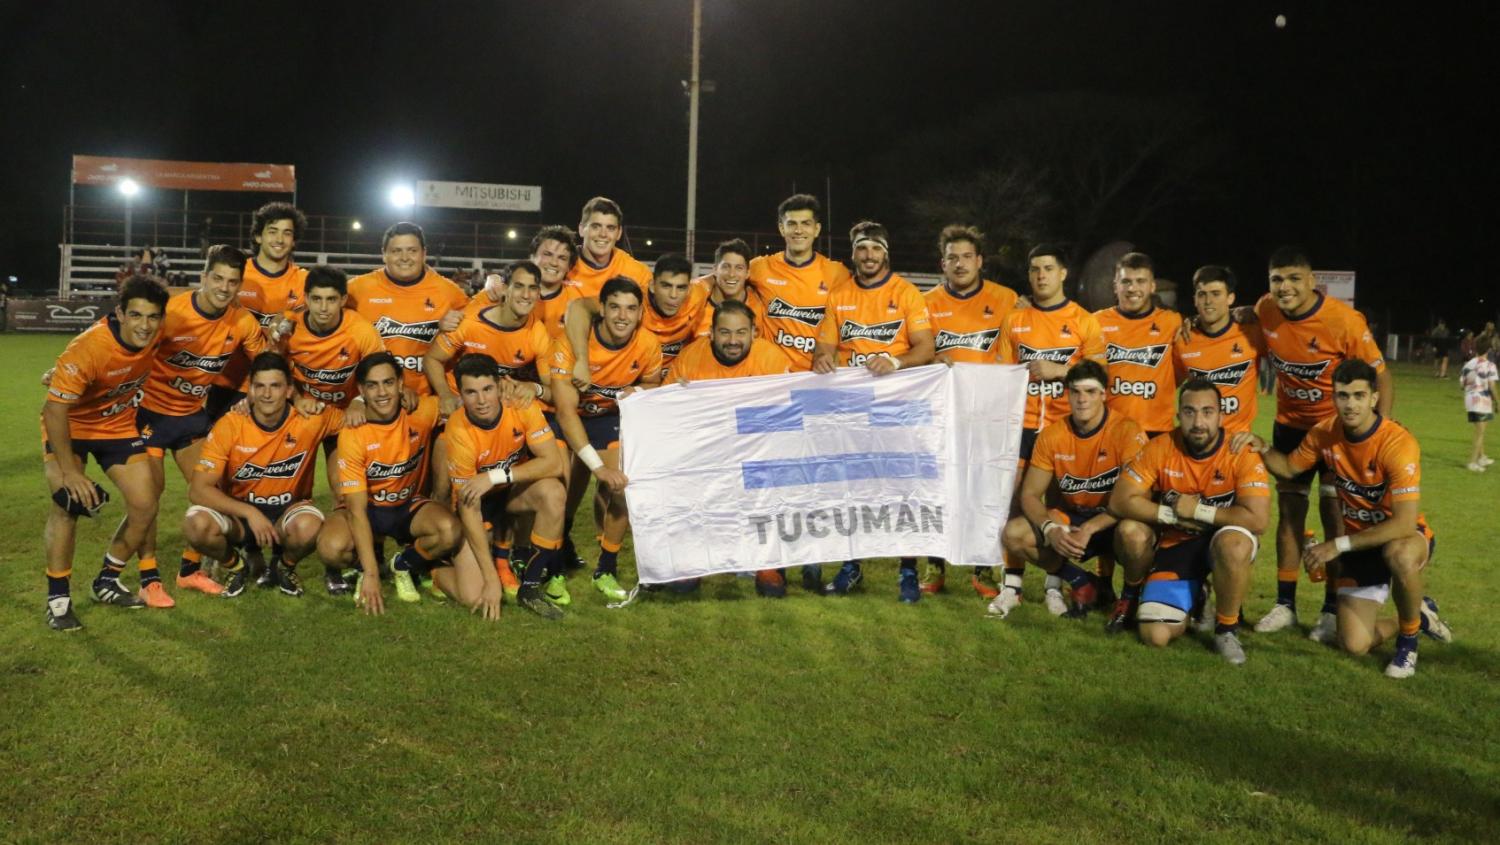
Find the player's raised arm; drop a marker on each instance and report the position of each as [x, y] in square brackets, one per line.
[579, 318]
[434, 367]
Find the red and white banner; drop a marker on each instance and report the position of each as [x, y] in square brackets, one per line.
[185, 175]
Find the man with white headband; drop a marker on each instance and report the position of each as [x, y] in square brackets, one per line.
[878, 321]
[1079, 457]
[1209, 507]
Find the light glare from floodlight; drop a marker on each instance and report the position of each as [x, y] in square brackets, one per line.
[511, 233]
[129, 187]
[402, 197]
[356, 226]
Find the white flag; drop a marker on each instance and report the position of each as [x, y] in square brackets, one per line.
[760, 473]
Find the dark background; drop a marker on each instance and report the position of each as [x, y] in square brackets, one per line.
[1356, 131]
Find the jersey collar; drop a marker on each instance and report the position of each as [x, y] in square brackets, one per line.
[1368, 434]
[412, 283]
[1228, 324]
[877, 283]
[477, 424]
[1317, 306]
[496, 326]
[279, 423]
[970, 295]
[1209, 453]
[604, 343]
[1065, 301]
[790, 263]
[267, 273]
[1151, 309]
[1084, 435]
[193, 300]
[583, 256]
[314, 332]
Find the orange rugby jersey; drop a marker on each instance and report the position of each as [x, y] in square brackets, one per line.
[590, 277]
[1086, 465]
[614, 368]
[268, 296]
[967, 328]
[865, 321]
[515, 350]
[474, 448]
[1371, 472]
[752, 299]
[99, 378]
[699, 363]
[1138, 357]
[1306, 350]
[195, 348]
[323, 364]
[795, 297]
[267, 466]
[1229, 359]
[1065, 334]
[678, 330]
[388, 461]
[1220, 478]
[406, 315]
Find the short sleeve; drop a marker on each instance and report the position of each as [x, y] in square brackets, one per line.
[538, 432]
[917, 316]
[1046, 445]
[1250, 480]
[73, 374]
[1093, 336]
[1143, 469]
[828, 329]
[351, 457]
[253, 339]
[451, 342]
[462, 462]
[651, 363]
[369, 340]
[1130, 440]
[1402, 463]
[1307, 454]
[562, 358]
[214, 456]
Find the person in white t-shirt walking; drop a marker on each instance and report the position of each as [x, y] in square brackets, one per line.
[1478, 379]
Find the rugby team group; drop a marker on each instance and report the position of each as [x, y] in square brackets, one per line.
[439, 413]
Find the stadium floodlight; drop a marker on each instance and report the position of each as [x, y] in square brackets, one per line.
[356, 225]
[129, 187]
[511, 234]
[402, 196]
[648, 242]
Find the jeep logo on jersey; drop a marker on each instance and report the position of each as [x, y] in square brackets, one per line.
[1101, 483]
[812, 315]
[978, 341]
[284, 468]
[1145, 356]
[377, 470]
[1057, 354]
[1310, 372]
[338, 376]
[1368, 492]
[424, 332]
[206, 363]
[875, 332]
[1224, 376]
[508, 462]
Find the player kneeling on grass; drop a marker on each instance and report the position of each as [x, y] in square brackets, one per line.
[382, 470]
[493, 479]
[90, 410]
[1209, 506]
[1079, 457]
[253, 481]
[1385, 541]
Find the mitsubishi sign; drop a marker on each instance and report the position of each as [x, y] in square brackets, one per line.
[479, 195]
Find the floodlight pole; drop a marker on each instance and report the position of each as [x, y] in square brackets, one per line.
[129, 201]
[692, 173]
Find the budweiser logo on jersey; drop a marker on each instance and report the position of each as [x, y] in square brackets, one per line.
[607, 392]
[673, 349]
[1368, 492]
[980, 341]
[284, 468]
[1101, 483]
[1310, 372]
[126, 387]
[812, 315]
[1223, 500]
[1057, 354]
[335, 376]
[376, 470]
[1145, 356]
[1224, 376]
[877, 332]
[509, 462]
[207, 363]
[424, 332]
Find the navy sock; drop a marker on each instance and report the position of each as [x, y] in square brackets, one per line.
[1286, 593]
[1131, 592]
[607, 563]
[1330, 598]
[941, 565]
[908, 563]
[410, 558]
[110, 570]
[57, 586]
[1075, 576]
[1406, 641]
[537, 567]
[1221, 628]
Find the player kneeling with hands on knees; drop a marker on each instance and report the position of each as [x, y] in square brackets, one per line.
[1385, 542]
[1208, 507]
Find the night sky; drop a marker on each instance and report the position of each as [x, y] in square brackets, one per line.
[1354, 131]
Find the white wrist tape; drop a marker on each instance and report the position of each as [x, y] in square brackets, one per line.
[1165, 515]
[499, 475]
[1342, 543]
[540, 390]
[590, 458]
[895, 362]
[1204, 513]
[1046, 527]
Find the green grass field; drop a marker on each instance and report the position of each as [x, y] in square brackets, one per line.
[724, 717]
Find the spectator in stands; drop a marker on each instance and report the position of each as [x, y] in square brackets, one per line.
[1442, 347]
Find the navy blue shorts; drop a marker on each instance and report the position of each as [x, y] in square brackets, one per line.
[1367, 567]
[394, 521]
[1101, 544]
[1189, 560]
[1285, 439]
[1028, 442]
[165, 431]
[603, 432]
[107, 453]
[219, 400]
